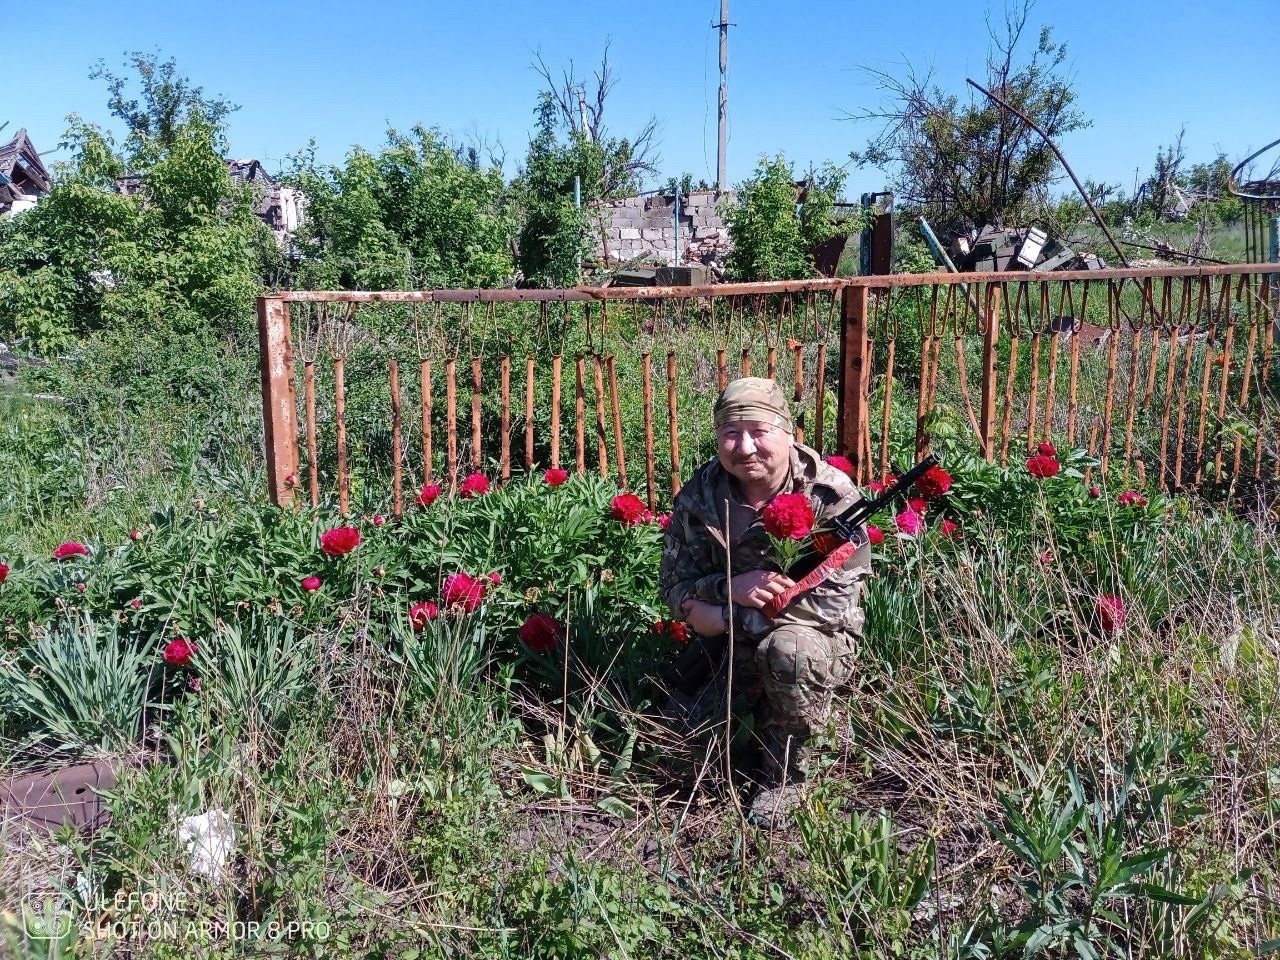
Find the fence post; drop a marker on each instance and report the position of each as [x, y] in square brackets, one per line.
[855, 377]
[279, 414]
[990, 337]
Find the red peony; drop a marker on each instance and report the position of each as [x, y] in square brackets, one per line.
[909, 522]
[379, 520]
[934, 483]
[495, 578]
[311, 584]
[843, 464]
[875, 535]
[664, 520]
[66, 551]
[629, 510]
[1095, 492]
[80, 588]
[463, 590]
[428, 495]
[555, 477]
[1047, 449]
[541, 633]
[1110, 610]
[1041, 466]
[4, 572]
[788, 516]
[876, 488]
[178, 652]
[1131, 498]
[473, 485]
[339, 541]
[919, 504]
[949, 527]
[674, 629]
[136, 603]
[420, 614]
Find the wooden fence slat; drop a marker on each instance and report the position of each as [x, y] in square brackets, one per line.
[615, 408]
[722, 369]
[504, 423]
[528, 413]
[476, 461]
[746, 361]
[340, 422]
[820, 407]
[424, 392]
[397, 442]
[555, 410]
[580, 417]
[602, 447]
[797, 396]
[451, 415]
[647, 375]
[990, 337]
[673, 427]
[309, 399]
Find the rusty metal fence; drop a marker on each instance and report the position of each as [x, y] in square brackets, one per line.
[1165, 375]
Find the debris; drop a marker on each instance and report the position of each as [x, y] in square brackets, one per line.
[210, 841]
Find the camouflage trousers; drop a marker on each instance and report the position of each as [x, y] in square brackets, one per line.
[786, 680]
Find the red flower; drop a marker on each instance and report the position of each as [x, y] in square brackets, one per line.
[788, 516]
[1047, 449]
[428, 494]
[875, 535]
[934, 483]
[379, 520]
[876, 488]
[4, 572]
[463, 590]
[473, 485]
[664, 520]
[1045, 558]
[135, 534]
[1131, 498]
[1110, 610]
[339, 541]
[1095, 492]
[311, 584]
[420, 614]
[495, 578]
[66, 551]
[1042, 466]
[918, 504]
[675, 629]
[178, 652]
[949, 527]
[555, 477]
[136, 603]
[80, 588]
[541, 633]
[629, 510]
[291, 480]
[842, 464]
[909, 522]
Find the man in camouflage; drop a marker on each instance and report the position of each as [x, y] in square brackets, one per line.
[716, 551]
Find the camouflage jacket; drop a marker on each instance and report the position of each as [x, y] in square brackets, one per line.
[695, 547]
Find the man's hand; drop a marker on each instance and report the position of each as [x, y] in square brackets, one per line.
[705, 618]
[755, 588]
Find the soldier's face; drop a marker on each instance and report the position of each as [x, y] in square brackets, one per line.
[754, 451]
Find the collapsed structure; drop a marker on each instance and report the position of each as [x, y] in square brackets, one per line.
[23, 177]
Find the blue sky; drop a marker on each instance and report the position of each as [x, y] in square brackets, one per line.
[341, 72]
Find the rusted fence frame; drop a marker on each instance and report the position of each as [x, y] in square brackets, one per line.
[281, 417]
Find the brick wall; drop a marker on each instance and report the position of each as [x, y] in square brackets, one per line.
[643, 228]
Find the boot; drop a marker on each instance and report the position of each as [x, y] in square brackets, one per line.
[783, 768]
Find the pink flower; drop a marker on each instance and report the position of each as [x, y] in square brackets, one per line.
[1111, 613]
[1045, 558]
[135, 534]
[136, 603]
[1131, 498]
[495, 578]
[918, 504]
[541, 633]
[178, 652]
[934, 483]
[66, 551]
[1095, 492]
[843, 464]
[80, 588]
[554, 477]
[463, 590]
[1042, 467]
[428, 495]
[311, 584]
[339, 541]
[194, 684]
[379, 520]
[420, 614]
[788, 516]
[876, 488]
[949, 528]
[874, 534]
[1047, 449]
[473, 485]
[4, 572]
[909, 522]
[629, 510]
[291, 480]
[664, 520]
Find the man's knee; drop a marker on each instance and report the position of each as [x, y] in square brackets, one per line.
[786, 656]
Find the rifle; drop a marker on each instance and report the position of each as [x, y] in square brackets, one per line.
[841, 536]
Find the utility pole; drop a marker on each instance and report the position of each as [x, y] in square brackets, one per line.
[722, 144]
[582, 113]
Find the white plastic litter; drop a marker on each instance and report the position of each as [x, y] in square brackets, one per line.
[210, 841]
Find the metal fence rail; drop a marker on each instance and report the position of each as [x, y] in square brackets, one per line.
[1163, 374]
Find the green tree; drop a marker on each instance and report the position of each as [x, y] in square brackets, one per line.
[968, 163]
[420, 213]
[775, 224]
